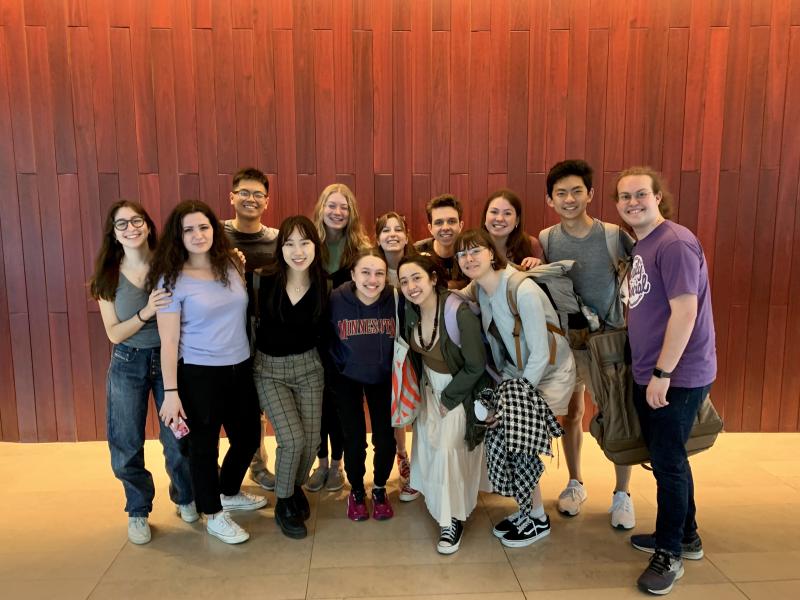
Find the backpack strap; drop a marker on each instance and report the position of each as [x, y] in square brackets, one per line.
[544, 240]
[613, 234]
[514, 281]
[451, 305]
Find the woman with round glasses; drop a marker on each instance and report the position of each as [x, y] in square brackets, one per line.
[546, 356]
[128, 313]
[502, 219]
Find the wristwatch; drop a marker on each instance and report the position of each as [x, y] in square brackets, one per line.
[661, 374]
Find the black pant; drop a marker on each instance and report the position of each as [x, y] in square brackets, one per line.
[666, 431]
[213, 397]
[330, 425]
[349, 396]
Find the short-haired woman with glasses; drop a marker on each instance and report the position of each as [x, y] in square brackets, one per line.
[128, 312]
[546, 356]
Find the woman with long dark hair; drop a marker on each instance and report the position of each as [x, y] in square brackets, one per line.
[205, 358]
[292, 298]
[128, 313]
[502, 219]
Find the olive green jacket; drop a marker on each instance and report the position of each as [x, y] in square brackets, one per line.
[467, 364]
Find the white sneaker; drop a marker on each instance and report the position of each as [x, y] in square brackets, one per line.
[138, 530]
[226, 529]
[570, 500]
[622, 515]
[242, 501]
[187, 512]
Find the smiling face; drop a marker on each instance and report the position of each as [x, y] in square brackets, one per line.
[415, 283]
[570, 197]
[369, 275]
[445, 225]
[501, 217]
[336, 212]
[298, 251]
[132, 236]
[638, 205]
[249, 199]
[476, 261]
[198, 234]
[393, 237]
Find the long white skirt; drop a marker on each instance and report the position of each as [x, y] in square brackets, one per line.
[447, 474]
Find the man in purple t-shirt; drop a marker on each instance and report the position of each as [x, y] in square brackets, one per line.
[671, 331]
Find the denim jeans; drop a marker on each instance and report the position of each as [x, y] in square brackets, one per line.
[132, 375]
[666, 431]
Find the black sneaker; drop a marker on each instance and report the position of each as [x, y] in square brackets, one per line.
[450, 538]
[506, 525]
[301, 503]
[289, 520]
[526, 532]
[661, 574]
[646, 542]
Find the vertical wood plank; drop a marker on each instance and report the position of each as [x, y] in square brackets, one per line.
[557, 82]
[202, 45]
[459, 87]
[441, 101]
[100, 349]
[303, 64]
[695, 88]
[478, 126]
[183, 71]
[224, 89]
[9, 430]
[539, 56]
[24, 389]
[499, 77]
[776, 85]
[166, 133]
[382, 93]
[421, 87]
[596, 109]
[615, 96]
[401, 116]
[263, 71]
[286, 194]
[518, 110]
[677, 54]
[16, 56]
[362, 97]
[123, 109]
[420, 194]
[735, 83]
[141, 53]
[244, 98]
[324, 108]
[343, 79]
[578, 60]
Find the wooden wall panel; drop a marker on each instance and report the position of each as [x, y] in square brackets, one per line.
[401, 100]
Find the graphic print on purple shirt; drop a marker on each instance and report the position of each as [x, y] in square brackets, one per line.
[668, 263]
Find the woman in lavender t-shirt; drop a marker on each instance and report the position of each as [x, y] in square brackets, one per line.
[205, 361]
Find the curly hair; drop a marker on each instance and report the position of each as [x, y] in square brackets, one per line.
[105, 279]
[279, 268]
[171, 253]
[355, 238]
[518, 244]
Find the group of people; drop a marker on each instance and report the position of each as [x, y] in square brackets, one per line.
[231, 323]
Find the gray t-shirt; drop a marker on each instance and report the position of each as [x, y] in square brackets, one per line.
[258, 248]
[593, 275]
[212, 320]
[127, 302]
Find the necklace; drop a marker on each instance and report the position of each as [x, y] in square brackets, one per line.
[429, 346]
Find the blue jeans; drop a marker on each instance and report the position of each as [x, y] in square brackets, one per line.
[666, 431]
[132, 375]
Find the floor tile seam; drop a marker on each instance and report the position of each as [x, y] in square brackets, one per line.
[106, 571]
[710, 559]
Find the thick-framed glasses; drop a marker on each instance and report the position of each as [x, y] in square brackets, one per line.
[474, 252]
[640, 195]
[245, 194]
[122, 224]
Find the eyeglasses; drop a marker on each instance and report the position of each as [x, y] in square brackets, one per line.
[122, 224]
[640, 195]
[473, 252]
[245, 194]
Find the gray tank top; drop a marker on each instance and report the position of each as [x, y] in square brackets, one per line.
[128, 300]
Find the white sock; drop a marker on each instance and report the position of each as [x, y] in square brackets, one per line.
[537, 512]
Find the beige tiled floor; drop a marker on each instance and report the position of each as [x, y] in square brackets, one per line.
[62, 535]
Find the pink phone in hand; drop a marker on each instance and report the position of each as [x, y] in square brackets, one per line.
[179, 428]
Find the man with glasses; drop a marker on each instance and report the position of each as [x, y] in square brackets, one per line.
[249, 197]
[444, 223]
[597, 248]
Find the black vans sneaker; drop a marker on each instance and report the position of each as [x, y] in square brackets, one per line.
[506, 525]
[661, 574]
[646, 542]
[450, 538]
[527, 531]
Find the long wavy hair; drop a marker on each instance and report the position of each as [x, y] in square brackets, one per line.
[355, 238]
[171, 254]
[279, 268]
[380, 223]
[518, 244]
[105, 279]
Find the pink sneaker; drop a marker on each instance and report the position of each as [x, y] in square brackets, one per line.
[407, 493]
[381, 509]
[357, 506]
[404, 467]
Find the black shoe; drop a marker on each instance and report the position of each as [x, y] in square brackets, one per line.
[661, 574]
[450, 538]
[506, 525]
[301, 503]
[527, 531]
[289, 520]
[646, 542]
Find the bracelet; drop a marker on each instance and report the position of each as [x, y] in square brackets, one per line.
[140, 316]
[171, 390]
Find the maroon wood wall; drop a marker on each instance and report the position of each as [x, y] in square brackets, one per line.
[401, 99]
